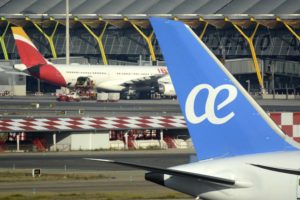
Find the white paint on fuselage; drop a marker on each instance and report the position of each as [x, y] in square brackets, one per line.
[251, 182]
[113, 75]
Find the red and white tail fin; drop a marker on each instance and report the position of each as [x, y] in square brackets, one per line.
[29, 54]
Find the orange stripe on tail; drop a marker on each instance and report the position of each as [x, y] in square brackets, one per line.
[28, 53]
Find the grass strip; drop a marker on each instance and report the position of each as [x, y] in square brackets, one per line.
[10, 176]
[93, 196]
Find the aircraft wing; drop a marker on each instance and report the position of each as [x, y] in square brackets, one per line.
[172, 172]
[7, 66]
[146, 80]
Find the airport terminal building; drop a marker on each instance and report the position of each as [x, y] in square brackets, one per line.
[253, 37]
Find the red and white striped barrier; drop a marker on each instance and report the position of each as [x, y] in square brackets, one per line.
[91, 123]
[289, 122]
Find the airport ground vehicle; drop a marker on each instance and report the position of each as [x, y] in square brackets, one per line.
[73, 96]
[84, 90]
[242, 154]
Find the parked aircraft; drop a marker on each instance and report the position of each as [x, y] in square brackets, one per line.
[242, 154]
[105, 78]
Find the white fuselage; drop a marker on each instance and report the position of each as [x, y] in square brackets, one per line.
[109, 77]
[251, 182]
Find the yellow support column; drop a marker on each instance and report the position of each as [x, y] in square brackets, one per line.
[48, 37]
[289, 28]
[3, 46]
[204, 28]
[252, 49]
[148, 39]
[98, 38]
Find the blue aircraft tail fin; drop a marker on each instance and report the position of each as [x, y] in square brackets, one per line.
[222, 118]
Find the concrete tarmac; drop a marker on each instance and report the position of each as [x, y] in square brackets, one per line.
[17, 107]
[49, 107]
[74, 161]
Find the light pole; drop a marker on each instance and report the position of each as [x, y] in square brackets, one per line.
[67, 34]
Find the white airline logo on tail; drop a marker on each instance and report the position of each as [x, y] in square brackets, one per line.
[210, 113]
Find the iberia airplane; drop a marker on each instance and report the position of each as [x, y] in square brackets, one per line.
[105, 78]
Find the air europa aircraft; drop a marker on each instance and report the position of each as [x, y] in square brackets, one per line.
[242, 154]
[106, 78]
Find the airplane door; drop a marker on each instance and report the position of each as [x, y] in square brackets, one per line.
[298, 188]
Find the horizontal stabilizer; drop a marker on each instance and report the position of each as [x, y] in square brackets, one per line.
[172, 172]
[16, 73]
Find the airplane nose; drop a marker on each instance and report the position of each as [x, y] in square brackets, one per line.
[155, 178]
